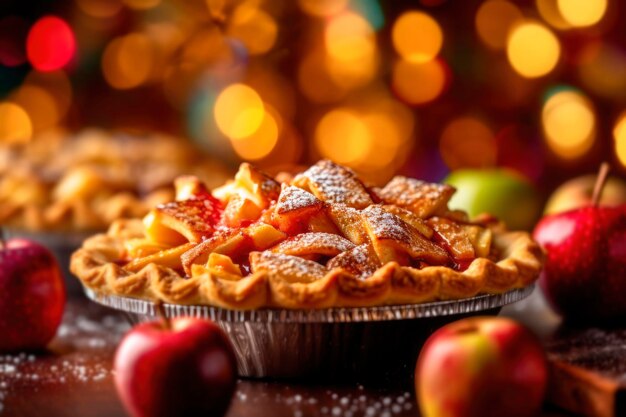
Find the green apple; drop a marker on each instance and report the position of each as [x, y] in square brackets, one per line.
[577, 193]
[503, 193]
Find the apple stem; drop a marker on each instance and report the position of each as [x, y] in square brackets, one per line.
[160, 310]
[600, 181]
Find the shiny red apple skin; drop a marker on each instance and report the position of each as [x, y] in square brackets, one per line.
[584, 277]
[187, 370]
[481, 367]
[32, 296]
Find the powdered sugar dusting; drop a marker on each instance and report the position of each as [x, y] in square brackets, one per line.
[294, 198]
[360, 261]
[314, 243]
[289, 267]
[270, 188]
[422, 198]
[385, 225]
[336, 184]
[349, 221]
[193, 218]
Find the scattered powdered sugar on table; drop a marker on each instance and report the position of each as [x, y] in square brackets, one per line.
[339, 402]
[22, 370]
[87, 345]
[86, 333]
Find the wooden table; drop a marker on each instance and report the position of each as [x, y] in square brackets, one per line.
[74, 378]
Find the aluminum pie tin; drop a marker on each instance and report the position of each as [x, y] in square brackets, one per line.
[346, 343]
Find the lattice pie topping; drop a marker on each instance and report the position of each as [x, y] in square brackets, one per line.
[322, 238]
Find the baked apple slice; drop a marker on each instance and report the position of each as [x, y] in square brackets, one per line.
[334, 184]
[360, 261]
[422, 198]
[194, 219]
[170, 258]
[452, 236]
[240, 212]
[189, 187]
[395, 240]
[306, 245]
[294, 209]
[250, 183]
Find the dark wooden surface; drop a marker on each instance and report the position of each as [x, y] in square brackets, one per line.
[73, 378]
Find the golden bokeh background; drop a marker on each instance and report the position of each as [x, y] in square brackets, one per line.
[420, 87]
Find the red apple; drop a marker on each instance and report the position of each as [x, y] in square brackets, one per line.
[185, 367]
[481, 367]
[32, 295]
[584, 277]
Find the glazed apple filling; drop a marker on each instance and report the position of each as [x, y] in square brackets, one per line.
[323, 219]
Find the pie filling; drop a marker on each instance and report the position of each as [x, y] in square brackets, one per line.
[317, 221]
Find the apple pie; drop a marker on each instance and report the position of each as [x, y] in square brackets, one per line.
[321, 238]
[83, 182]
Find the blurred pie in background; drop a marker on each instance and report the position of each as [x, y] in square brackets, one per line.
[83, 182]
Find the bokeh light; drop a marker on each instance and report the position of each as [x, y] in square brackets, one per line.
[56, 84]
[387, 137]
[349, 37]
[391, 128]
[384, 87]
[254, 27]
[205, 46]
[602, 69]
[349, 75]
[416, 36]
[371, 10]
[342, 136]
[287, 150]
[581, 13]
[100, 8]
[351, 58]
[39, 104]
[315, 82]
[569, 123]
[277, 92]
[619, 136]
[468, 142]
[15, 124]
[549, 11]
[418, 83]
[260, 143]
[128, 61]
[50, 44]
[532, 49]
[494, 20]
[141, 4]
[322, 8]
[239, 111]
